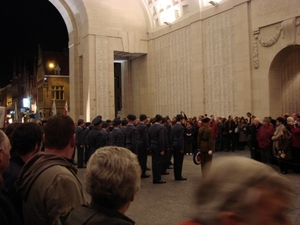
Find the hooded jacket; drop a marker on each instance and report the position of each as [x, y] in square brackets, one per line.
[49, 188]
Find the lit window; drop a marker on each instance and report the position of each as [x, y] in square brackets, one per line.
[58, 93]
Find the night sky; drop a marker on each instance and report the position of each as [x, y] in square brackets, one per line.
[23, 25]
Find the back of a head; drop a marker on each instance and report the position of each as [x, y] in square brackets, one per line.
[231, 185]
[113, 176]
[25, 137]
[10, 128]
[58, 132]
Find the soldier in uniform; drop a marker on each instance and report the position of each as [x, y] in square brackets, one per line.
[131, 134]
[178, 147]
[143, 144]
[80, 142]
[156, 137]
[105, 134]
[123, 127]
[117, 137]
[95, 138]
[166, 158]
[206, 145]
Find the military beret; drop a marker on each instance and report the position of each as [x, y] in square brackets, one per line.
[179, 117]
[97, 120]
[206, 120]
[131, 117]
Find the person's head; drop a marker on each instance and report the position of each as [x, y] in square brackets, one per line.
[242, 120]
[105, 125]
[205, 121]
[59, 132]
[179, 118]
[97, 122]
[124, 122]
[279, 121]
[131, 118]
[248, 114]
[256, 121]
[117, 122]
[11, 127]
[290, 120]
[298, 122]
[230, 118]
[27, 138]
[286, 115]
[143, 117]
[80, 122]
[295, 115]
[158, 118]
[113, 176]
[4, 152]
[239, 190]
[266, 121]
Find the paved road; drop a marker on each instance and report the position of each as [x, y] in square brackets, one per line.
[170, 203]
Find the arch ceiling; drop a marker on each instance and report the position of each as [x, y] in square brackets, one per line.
[164, 12]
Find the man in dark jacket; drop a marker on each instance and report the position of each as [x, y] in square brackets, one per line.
[156, 137]
[80, 142]
[116, 136]
[143, 144]
[131, 134]
[95, 138]
[26, 141]
[178, 147]
[255, 154]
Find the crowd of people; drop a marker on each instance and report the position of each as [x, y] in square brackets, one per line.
[37, 162]
[269, 141]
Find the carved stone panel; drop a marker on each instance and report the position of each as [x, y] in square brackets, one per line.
[102, 93]
[219, 73]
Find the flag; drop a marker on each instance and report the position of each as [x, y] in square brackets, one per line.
[16, 112]
[53, 108]
[66, 108]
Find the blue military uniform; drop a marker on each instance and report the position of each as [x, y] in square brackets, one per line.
[156, 137]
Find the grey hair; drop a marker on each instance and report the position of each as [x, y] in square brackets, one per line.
[113, 176]
[234, 184]
[290, 119]
[4, 142]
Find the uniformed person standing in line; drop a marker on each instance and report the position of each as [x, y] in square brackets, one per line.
[143, 144]
[131, 134]
[166, 158]
[123, 127]
[178, 147]
[95, 138]
[156, 137]
[206, 145]
[116, 136]
[80, 142]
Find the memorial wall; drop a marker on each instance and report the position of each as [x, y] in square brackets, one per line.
[228, 59]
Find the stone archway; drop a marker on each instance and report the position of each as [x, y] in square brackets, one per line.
[284, 81]
[68, 12]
